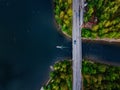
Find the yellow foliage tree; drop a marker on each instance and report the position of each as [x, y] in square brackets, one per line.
[61, 14]
[95, 28]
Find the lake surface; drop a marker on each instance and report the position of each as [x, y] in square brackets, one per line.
[102, 52]
[28, 39]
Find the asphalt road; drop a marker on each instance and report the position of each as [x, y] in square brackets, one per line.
[77, 43]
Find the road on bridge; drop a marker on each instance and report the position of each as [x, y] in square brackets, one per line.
[78, 6]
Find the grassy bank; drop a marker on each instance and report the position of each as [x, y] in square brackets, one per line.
[96, 76]
[101, 18]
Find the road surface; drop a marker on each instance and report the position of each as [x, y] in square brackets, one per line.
[77, 43]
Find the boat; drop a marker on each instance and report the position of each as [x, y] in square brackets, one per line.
[60, 47]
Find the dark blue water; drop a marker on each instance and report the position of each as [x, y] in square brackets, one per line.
[108, 53]
[28, 39]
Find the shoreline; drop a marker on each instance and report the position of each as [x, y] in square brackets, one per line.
[95, 60]
[60, 31]
[52, 69]
[105, 40]
[58, 27]
[99, 40]
[91, 60]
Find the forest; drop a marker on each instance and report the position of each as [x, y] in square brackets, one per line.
[96, 76]
[101, 18]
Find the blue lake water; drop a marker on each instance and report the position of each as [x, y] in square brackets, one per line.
[108, 53]
[28, 39]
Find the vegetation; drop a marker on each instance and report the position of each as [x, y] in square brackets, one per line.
[60, 78]
[63, 15]
[101, 18]
[96, 76]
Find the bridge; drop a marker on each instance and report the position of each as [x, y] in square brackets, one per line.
[78, 6]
